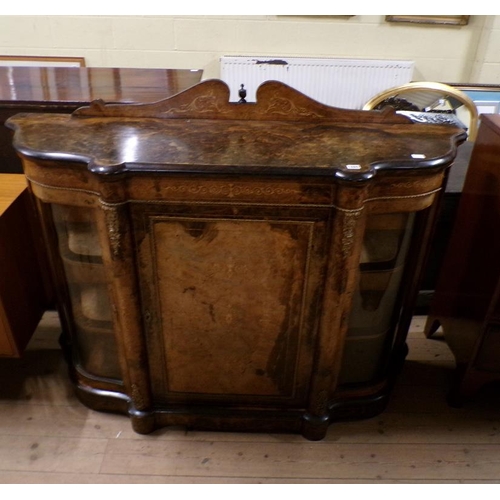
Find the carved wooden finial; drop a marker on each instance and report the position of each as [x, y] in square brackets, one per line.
[242, 93]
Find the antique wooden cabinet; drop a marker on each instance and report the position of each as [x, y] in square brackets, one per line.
[235, 266]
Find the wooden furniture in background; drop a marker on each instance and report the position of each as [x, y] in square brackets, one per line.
[235, 266]
[24, 289]
[466, 301]
[43, 61]
[62, 90]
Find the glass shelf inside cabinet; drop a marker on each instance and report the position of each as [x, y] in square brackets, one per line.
[372, 321]
[88, 290]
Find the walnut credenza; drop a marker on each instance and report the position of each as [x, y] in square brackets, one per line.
[235, 266]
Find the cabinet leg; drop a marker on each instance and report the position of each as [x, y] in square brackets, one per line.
[315, 428]
[142, 422]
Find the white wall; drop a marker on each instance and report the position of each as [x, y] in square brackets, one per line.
[468, 53]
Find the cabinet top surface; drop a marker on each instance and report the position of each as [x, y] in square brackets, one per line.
[200, 131]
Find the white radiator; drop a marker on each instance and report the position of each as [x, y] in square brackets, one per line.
[344, 83]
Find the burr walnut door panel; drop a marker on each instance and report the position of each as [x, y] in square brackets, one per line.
[229, 304]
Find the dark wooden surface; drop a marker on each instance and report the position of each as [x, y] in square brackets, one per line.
[62, 90]
[230, 239]
[467, 297]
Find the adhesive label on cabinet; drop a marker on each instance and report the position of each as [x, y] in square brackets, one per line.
[353, 167]
[418, 156]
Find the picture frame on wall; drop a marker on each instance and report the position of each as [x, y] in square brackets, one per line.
[486, 97]
[446, 20]
[37, 61]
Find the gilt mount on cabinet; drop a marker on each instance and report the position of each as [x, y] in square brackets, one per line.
[233, 266]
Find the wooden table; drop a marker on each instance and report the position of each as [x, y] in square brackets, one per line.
[24, 290]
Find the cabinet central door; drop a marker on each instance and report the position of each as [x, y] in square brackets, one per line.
[228, 305]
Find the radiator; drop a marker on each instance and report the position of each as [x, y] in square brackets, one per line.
[344, 83]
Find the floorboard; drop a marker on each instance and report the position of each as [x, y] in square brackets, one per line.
[47, 436]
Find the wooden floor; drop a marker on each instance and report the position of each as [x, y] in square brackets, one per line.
[47, 436]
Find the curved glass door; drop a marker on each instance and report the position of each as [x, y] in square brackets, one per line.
[372, 321]
[88, 288]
